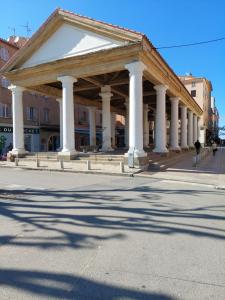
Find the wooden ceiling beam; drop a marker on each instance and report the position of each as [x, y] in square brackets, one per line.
[100, 84]
[57, 93]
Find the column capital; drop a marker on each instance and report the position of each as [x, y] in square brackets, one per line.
[67, 79]
[190, 111]
[175, 99]
[15, 88]
[182, 105]
[106, 92]
[135, 67]
[160, 88]
[59, 100]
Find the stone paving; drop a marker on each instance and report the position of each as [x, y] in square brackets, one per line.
[210, 171]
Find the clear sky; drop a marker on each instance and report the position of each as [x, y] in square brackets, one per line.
[165, 22]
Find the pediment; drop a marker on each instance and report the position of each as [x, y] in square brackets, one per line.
[69, 41]
[65, 34]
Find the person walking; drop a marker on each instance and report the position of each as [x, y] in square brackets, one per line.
[214, 148]
[197, 147]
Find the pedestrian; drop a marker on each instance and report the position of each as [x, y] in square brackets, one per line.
[197, 147]
[214, 148]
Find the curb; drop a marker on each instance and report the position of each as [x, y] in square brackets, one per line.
[71, 171]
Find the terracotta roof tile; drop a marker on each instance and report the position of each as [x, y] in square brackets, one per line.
[8, 43]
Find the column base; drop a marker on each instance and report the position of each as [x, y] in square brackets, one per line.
[175, 149]
[160, 150]
[18, 152]
[136, 159]
[67, 155]
[107, 149]
[184, 148]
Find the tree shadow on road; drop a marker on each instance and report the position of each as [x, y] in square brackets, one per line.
[65, 286]
[66, 215]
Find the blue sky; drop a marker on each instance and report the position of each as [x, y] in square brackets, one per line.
[165, 22]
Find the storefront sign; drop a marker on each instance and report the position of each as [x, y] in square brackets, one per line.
[7, 129]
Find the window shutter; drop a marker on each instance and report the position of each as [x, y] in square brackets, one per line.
[28, 113]
[1, 110]
[35, 114]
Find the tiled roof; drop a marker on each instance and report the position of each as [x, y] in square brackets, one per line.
[8, 43]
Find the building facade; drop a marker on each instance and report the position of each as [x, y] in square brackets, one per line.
[214, 120]
[40, 113]
[200, 89]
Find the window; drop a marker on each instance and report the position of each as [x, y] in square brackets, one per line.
[46, 115]
[32, 113]
[5, 110]
[193, 93]
[193, 84]
[4, 54]
[82, 117]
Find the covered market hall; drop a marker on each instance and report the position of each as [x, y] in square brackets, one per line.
[78, 60]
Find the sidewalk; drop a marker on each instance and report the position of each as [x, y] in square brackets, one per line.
[210, 171]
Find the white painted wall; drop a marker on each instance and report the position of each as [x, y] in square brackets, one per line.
[69, 41]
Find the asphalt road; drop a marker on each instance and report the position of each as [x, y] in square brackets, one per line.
[76, 236]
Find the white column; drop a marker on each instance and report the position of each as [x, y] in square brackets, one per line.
[174, 143]
[190, 129]
[198, 128]
[92, 125]
[160, 119]
[184, 127]
[146, 125]
[68, 115]
[113, 129]
[18, 128]
[60, 123]
[195, 128]
[127, 123]
[106, 118]
[136, 108]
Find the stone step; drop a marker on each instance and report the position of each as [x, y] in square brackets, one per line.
[42, 155]
[101, 157]
[29, 159]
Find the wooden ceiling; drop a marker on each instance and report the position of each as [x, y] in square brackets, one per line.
[90, 87]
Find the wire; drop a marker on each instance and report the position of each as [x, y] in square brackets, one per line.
[192, 44]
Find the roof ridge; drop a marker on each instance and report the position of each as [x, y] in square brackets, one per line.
[102, 22]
